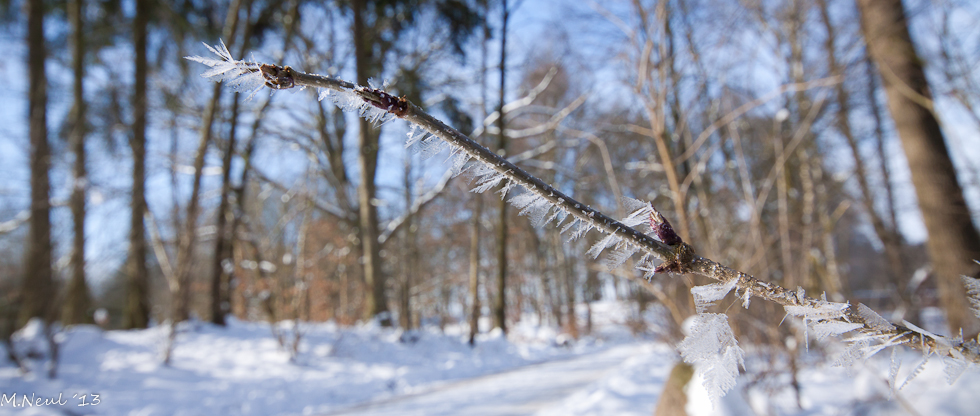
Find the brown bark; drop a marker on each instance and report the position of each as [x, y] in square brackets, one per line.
[38, 287]
[367, 159]
[221, 275]
[475, 269]
[475, 306]
[500, 302]
[673, 399]
[567, 270]
[77, 297]
[224, 246]
[137, 310]
[880, 145]
[410, 257]
[953, 239]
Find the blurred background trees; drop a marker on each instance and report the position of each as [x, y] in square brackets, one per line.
[765, 131]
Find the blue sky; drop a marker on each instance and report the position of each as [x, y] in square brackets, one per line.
[535, 26]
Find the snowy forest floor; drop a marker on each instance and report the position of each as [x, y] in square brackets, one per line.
[367, 370]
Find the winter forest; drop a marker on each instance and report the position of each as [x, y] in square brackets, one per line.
[500, 207]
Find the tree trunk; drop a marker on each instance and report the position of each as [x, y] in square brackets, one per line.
[221, 275]
[78, 300]
[953, 239]
[500, 302]
[566, 270]
[885, 232]
[187, 239]
[38, 286]
[673, 399]
[475, 269]
[137, 309]
[410, 257]
[367, 159]
[220, 301]
[475, 306]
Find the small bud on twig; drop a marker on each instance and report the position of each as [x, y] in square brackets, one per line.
[663, 229]
[683, 253]
[277, 77]
[387, 102]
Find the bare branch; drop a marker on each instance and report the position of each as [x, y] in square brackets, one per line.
[676, 257]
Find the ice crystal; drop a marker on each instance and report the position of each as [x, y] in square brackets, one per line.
[816, 313]
[241, 76]
[872, 319]
[606, 242]
[707, 295]
[712, 348]
[915, 371]
[973, 293]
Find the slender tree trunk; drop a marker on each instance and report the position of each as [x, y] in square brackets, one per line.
[500, 302]
[137, 309]
[187, 239]
[885, 232]
[376, 305]
[411, 254]
[566, 269]
[77, 297]
[180, 286]
[475, 269]
[222, 268]
[237, 211]
[185, 244]
[673, 399]
[953, 239]
[475, 306]
[880, 145]
[38, 286]
[223, 249]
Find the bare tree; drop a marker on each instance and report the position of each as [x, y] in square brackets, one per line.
[953, 242]
[77, 297]
[181, 280]
[137, 308]
[221, 269]
[475, 269]
[37, 293]
[884, 230]
[367, 160]
[500, 302]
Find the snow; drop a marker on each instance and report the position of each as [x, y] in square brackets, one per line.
[242, 370]
[555, 388]
[631, 388]
[863, 389]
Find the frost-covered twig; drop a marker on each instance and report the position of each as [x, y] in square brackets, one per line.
[643, 231]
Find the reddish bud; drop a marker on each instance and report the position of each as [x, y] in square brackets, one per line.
[662, 227]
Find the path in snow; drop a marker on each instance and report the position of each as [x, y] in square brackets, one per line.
[523, 391]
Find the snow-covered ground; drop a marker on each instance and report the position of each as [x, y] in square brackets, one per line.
[242, 370]
[864, 390]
